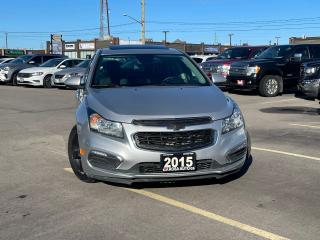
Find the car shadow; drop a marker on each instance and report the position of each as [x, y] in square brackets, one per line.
[248, 92]
[292, 110]
[190, 183]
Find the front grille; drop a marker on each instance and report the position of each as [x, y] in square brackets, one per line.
[210, 67]
[145, 168]
[174, 141]
[24, 75]
[174, 121]
[57, 76]
[237, 71]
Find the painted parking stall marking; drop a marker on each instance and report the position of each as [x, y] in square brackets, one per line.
[204, 213]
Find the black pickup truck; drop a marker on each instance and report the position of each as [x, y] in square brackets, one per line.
[274, 70]
[309, 83]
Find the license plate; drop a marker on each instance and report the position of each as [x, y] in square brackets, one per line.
[178, 162]
[240, 82]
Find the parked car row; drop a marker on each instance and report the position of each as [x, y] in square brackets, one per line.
[41, 69]
[269, 70]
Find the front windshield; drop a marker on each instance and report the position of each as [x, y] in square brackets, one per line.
[22, 59]
[235, 53]
[52, 63]
[83, 64]
[275, 52]
[147, 70]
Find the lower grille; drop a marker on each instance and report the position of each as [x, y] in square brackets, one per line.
[145, 168]
[174, 141]
[24, 75]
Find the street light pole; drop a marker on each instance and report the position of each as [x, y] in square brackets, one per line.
[6, 36]
[165, 37]
[277, 40]
[230, 38]
[143, 30]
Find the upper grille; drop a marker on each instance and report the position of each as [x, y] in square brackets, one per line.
[173, 121]
[58, 76]
[174, 141]
[237, 71]
[24, 75]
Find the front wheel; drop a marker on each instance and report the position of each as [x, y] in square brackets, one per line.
[270, 86]
[47, 82]
[75, 157]
[14, 79]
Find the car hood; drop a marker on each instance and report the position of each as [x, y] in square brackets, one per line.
[128, 104]
[72, 70]
[38, 69]
[218, 62]
[254, 62]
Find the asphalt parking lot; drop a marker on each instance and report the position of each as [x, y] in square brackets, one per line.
[277, 198]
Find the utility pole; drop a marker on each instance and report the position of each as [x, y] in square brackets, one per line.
[165, 37]
[6, 37]
[230, 38]
[108, 19]
[104, 15]
[143, 37]
[277, 40]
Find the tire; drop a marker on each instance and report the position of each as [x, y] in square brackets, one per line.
[14, 79]
[47, 81]
[75, 158]
[270, 86]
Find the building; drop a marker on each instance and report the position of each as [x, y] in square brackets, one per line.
[18, 52]
[86, 49]
[309, 40]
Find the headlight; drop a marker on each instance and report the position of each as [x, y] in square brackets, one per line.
[309, 71]
[72, 75]
[101, 125]
[6, 69]
[253, 70]
[233, 122]
[37, 74]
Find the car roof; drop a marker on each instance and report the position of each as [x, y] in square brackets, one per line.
[139, 49]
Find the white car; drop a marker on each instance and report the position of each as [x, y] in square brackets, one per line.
[41, 76]
[203, 58]
[5, 60]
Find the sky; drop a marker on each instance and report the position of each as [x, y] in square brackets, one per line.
[29, 23]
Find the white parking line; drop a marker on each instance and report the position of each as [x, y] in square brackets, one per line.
[204, 213]
[304, 125]
[287, 153]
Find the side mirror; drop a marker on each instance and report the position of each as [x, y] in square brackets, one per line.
[74, 83]
[62, 66]
[297, 57]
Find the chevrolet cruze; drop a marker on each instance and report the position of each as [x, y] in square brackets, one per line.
[149, 113]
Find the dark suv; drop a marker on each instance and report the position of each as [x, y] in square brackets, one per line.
[309, 82]
[274, 70]
[218, 69]
[9, 71]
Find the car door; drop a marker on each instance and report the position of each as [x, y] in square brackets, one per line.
[291, 71]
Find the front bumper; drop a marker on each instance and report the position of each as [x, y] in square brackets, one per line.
[124, 162]
[242, 82]
[309, 89]
[32, 81]
[58, 82]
